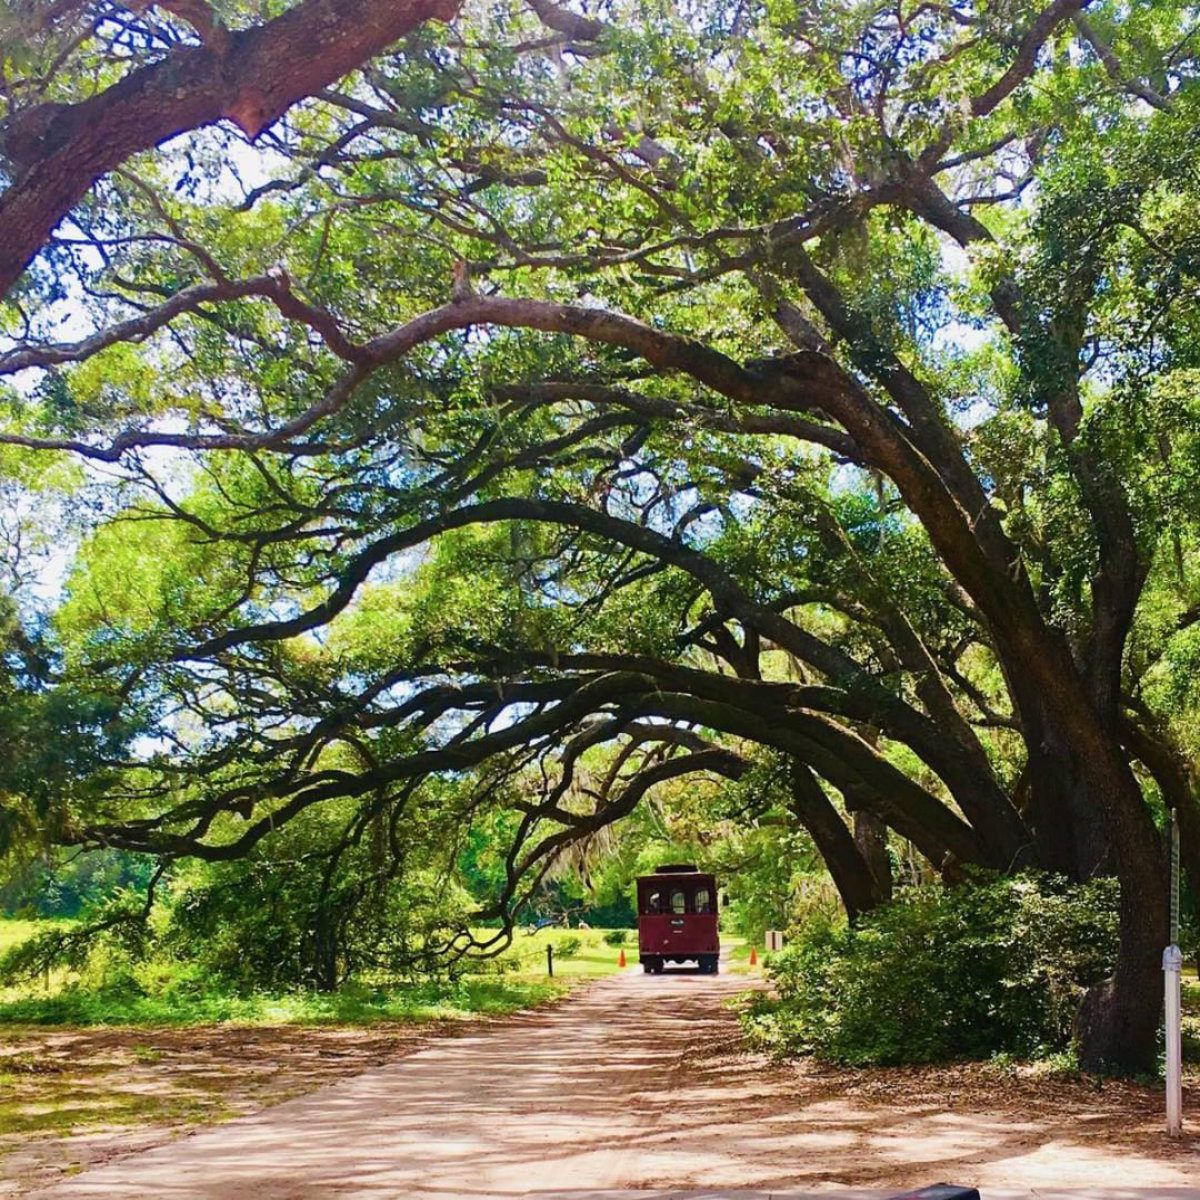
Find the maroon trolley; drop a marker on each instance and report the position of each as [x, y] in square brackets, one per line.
[677, 918]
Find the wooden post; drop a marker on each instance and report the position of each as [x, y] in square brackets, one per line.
[550, 960]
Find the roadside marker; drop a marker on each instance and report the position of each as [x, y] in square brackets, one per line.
[621, 960]
[753, 956]
[1172, 963]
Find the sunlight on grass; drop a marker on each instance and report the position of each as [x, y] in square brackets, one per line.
[587, 954]
[737, 960]
[13, 932]
[515, 979]
[353, 1004]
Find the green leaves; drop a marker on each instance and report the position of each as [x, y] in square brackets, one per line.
[890, 232]
[995, 967]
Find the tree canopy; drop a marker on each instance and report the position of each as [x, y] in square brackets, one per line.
[565, 404]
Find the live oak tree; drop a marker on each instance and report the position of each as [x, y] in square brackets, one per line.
[568, 404]
[87, 85]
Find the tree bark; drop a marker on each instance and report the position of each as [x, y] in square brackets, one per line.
[1177, 782]
[57, 151]
[848, 867]
[870, 836]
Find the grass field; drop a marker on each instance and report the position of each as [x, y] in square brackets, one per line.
[591, 959]
[13, 931]
[168, 994]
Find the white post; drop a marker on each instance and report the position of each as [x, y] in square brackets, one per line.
[1172, 965]
[1172, 962]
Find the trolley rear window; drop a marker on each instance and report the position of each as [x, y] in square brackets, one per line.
[677, 899]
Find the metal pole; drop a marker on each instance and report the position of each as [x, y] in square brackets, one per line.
[1174, 879]
[1172, 967]
[1172, 962]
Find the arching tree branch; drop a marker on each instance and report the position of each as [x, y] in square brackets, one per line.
[58, 151]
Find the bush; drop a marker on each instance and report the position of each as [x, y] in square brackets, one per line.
[616, 937]
[567, 947]
[940, 974]
[269, 922]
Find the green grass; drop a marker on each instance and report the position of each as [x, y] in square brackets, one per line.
[516, 979]
[168, 997]
[354, 1004]
[593, 958]
[738, 956]
[13, 931]
[85, 1111]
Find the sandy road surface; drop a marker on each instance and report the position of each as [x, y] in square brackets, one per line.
[637, 1082]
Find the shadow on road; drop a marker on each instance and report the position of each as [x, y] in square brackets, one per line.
[637, 1082]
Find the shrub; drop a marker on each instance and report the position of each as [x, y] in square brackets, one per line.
[616, 937]
[940, 974]
[567, 947]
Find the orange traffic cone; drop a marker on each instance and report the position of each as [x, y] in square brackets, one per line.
[754, 956]
[621, 959]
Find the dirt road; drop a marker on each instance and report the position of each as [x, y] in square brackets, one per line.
[638, 1082]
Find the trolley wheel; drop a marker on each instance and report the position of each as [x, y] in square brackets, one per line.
[653, 966]
[708, 964]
